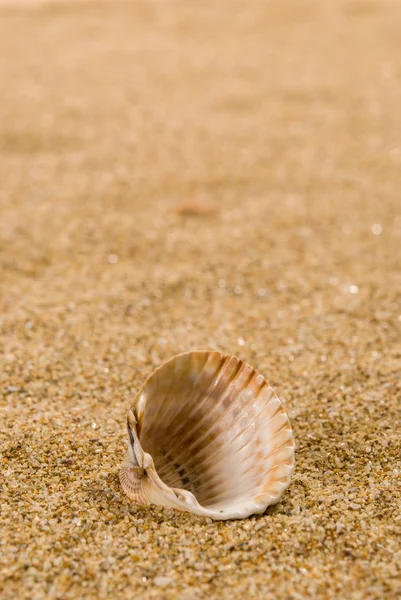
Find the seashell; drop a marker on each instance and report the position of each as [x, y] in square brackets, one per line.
[207, 435]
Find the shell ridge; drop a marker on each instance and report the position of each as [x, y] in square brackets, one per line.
[281, 414]
[254, 477]
[246, 477]
[185, 448]
[164, 469]
[250, 376]
[285, 426]
[277, 465]
[163, 406]
[273, 452]
[281, 409]
[239, 433]
[195, 393]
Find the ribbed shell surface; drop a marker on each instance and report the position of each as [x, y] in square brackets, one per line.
[215, 428]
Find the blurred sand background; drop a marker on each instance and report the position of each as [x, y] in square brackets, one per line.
[178, 175]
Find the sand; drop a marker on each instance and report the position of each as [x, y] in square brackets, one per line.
[180, 175]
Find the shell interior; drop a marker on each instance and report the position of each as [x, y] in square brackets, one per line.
[214, 436]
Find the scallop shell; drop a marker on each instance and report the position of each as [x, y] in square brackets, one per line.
[207, 435]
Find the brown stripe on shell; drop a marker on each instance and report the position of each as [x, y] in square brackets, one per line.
[210, 377]
[204, 445]
[200, 439]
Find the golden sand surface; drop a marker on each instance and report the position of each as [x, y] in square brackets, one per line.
[193, 174]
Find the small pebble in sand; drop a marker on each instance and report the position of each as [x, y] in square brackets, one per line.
[162, 581]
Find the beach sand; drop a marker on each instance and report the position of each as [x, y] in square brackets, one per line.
[183, 175]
